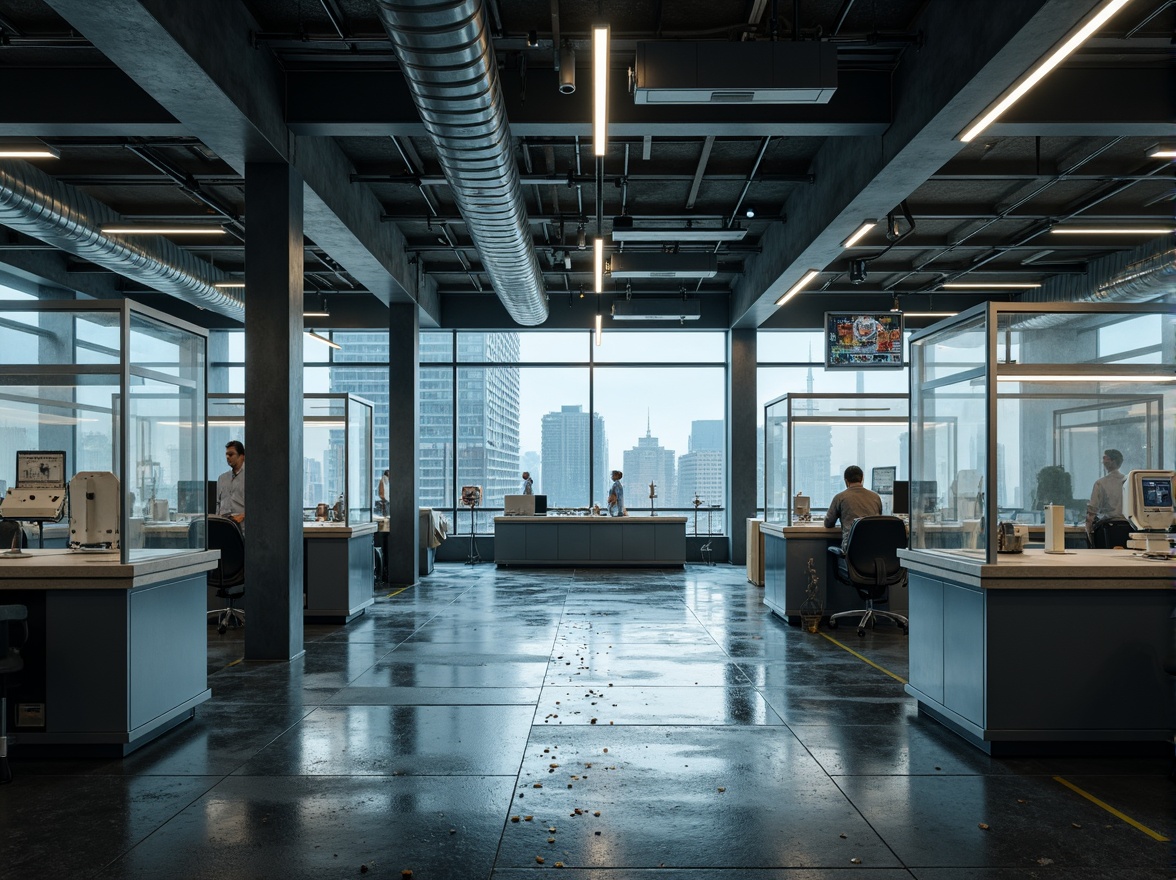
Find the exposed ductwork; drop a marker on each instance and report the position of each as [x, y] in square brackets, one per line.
[1141, 275]
[34, 203]
[447, 58]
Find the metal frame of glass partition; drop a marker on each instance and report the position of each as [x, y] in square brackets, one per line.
[852, 410]
[188, 376]
[358, 415]
[1048, 374]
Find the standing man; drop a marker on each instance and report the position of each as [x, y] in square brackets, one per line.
[852, 504]
[230, 486]
[616, 496]
[382, 491]
[528, 483]
[1106, 498]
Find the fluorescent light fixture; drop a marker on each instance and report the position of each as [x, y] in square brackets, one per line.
[599, 329]
[1112, 230]
[930, 314]
[28, 151]
[599, 90]
[1092, 377]
[860, 234]
[598, 263]
[694, 233]
[1160, 152]
[316, 313]
[991, 285]
[323, 339]
[229, 285]
[798, 286]
[1056, 57]
[162, 230]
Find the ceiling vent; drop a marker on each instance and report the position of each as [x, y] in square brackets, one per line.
[624, 230]
[661, 265]
[783, 72]
[664, 309]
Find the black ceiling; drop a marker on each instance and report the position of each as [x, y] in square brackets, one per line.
[155, 108]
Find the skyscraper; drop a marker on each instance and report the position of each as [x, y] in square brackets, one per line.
[701, 469]
[566, 479]
[648, 462]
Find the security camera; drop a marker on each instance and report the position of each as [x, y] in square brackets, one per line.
[858, 269]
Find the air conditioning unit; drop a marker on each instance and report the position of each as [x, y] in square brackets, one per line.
[655, 264]
[662, 309]
[777, 72]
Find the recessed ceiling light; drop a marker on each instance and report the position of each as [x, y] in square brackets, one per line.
[162, 230]
[859, 234]
[991, 285]
[800, 285]
[1113, 230]
[28, 151]
[1162, 152]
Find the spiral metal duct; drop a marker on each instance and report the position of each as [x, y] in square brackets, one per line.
[1141, 275]
[34, 203]
[447, 59]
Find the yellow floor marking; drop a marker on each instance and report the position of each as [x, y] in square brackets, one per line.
[397, 593]
[897, 678]
[1152, 834]
[235, 662]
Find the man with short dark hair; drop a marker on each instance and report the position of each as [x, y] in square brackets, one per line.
[1106, 498]
[852, 504]
[230, 486]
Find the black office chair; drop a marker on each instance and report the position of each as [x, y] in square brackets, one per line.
[229, 575]
[870, 565]
[10, 662]
[1110, 532]
[9, 531]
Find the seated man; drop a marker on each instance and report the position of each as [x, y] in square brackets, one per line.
[852, 504]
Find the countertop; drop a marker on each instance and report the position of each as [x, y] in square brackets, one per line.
[337, 530]
[617, 520]
[804, 530]
[1036, 569]
[81, 570]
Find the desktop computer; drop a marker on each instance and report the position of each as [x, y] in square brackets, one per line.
[540, 505]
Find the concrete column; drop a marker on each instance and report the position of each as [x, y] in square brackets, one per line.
[404, 417]
[741, 437]
[273, 412]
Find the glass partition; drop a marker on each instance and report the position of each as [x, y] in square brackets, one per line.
[1014, 404]
[67, 368]
[809, 440]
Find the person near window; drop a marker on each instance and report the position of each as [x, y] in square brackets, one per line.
[382, 491]
[230, 486]
[852, 504]
[1106, 498]
[528, 484]
[616, 496]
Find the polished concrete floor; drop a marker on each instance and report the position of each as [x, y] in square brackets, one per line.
[486, 725]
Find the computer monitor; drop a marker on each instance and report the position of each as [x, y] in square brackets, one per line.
[540, 505]
[1148, 499]
[190, 497]
[924, 496]
[518, 505]
[902, 497]
[882, 479]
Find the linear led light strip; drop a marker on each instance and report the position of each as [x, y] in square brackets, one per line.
[930, 314]
[323, 339]
[1094, 377]
[599, 90]
[1055, 58]
[162, 230]
[800, 285]
[991, 285]
[860, 234]
[1112, 230]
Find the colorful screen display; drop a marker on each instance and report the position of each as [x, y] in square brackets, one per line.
[855, 340]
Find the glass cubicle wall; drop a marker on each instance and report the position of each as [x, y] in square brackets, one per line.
[336, 450]
[66, 367]
[809, 440]
[1013, 405]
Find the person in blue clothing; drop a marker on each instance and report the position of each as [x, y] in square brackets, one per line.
[616, 496]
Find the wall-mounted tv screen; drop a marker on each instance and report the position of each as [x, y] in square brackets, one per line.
[856, 340]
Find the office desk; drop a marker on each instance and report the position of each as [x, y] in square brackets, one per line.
[604, 541]
[787, 550]
[337, 570]
[1040, 648]
[117, 654]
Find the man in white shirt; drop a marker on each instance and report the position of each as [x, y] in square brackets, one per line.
[1106, 498]
[230, 486]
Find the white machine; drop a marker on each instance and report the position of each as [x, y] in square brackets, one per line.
[518, 505]
[1147, 501]
[94, 510]
[39, 493]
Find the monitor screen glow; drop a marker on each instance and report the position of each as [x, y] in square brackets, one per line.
[1157, 492]
[856, 340]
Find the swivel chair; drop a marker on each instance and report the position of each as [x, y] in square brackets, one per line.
[870, 565]
[1110, 532]
[10, 662]
[9, 531]
[228, 577]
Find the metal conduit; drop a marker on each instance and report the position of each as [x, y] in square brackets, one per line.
[447, 58]
[34, 203]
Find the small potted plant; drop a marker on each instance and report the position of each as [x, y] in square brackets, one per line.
[810, 609]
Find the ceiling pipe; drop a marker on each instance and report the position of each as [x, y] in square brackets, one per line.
[447, 58]
[34, 203]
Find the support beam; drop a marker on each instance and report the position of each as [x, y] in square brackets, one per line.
[273, 412]
[195, 60]
[938, 92]
[742, 445]
[403, 444]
